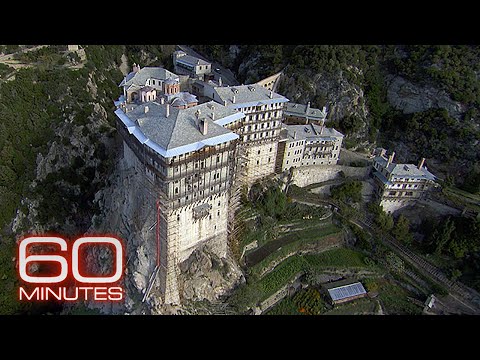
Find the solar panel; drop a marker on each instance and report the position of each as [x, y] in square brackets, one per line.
[346, 291]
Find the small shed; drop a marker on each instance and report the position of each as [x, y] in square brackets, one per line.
[344, 290]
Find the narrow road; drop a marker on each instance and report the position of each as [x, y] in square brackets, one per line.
[467, 296]
[10, 56]
[8, 59]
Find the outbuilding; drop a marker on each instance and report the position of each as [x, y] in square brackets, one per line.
[344, 290]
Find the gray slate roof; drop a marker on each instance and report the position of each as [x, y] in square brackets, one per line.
[181, 98]
[300, 110]
[247, 95]
[311, 132]
[405, 170]
[140, 77]
[179, 128]
[192, 60]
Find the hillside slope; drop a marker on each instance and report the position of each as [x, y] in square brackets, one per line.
[421, 101]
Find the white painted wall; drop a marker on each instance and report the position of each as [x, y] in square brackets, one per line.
[192, 232]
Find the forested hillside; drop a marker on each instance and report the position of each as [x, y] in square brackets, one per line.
[57, 143]
[419, 100]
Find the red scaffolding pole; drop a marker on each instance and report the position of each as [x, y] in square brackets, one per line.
[158, 233]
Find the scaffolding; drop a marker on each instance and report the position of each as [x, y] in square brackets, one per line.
[155, 177]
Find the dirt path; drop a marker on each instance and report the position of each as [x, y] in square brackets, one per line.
[8, 59]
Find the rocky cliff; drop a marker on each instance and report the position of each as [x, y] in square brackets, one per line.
[82, 185]
[127, 209]
[409, 97]
[341, 97]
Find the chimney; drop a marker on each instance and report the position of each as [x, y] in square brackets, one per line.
[146, 109]
[233, 99]
[197, 117]
[308, 107]
[135, 67]
[224, 102]
[321, 129]
[420, 166]
[203, 126]
[220, 81]
[162, 100]
[213, 116]
[390, 158]
[167, 113]
[271, 94]
[294, 135]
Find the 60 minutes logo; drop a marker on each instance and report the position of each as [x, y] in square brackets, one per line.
[59, 287]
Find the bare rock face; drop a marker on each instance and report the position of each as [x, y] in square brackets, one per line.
[205, 276]
[342, 97]
[411, 98]
[123, 213]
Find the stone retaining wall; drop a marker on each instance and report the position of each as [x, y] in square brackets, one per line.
[308, 175]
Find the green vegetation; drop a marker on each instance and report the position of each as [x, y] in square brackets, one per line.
[453, 244]
[5, 70]
[9, 303]
[432, 134]
[472, 180]
[38, 100]
[35, 103]
[350, 191]
[456, 237]
[151, 55]
[286, 306]
[356, 307]
[453, 68]
[401, 230]
[46, 56]
[383, 220]
[300, 240]
[257, 290]
[435, 134]
[271, 207]
[395, 300]
[394, 263]
[310, 302]
[81, 309]
[305, 302]
[9, 49]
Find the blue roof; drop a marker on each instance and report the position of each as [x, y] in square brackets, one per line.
[382, 178]
[229, 119]
[238, 105]
[120, 100]
[346, 291]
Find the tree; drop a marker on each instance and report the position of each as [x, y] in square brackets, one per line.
[274, 202]
[402, 230]
[472, 180]
[456, 274]
[351, 124]
[384, 221]
[350, 191]
[395, 263]
[441, 235]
